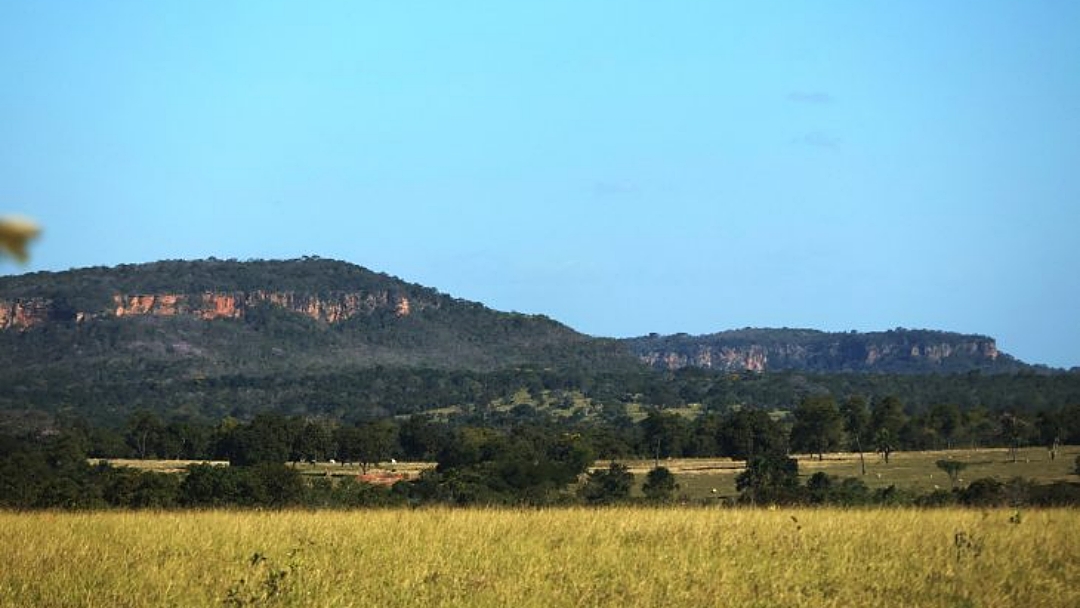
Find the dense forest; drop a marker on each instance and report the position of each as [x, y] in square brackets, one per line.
[107, 396]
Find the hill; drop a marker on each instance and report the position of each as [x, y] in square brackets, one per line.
[223, 317]
[904, 351]
[205, 339]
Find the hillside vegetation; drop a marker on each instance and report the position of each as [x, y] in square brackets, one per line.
[205, 339]
[214, 318]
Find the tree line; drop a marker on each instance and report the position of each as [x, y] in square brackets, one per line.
[819, 423]
[515, 458]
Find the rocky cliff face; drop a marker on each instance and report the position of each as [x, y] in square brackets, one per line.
[25, 313]
[751, 358]
[774, 350]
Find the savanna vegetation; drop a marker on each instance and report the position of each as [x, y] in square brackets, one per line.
[563, 557]
[272, 463]
[276, 460]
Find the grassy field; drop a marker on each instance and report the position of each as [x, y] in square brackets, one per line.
[698, 477]
[563, 557]
[916, 471]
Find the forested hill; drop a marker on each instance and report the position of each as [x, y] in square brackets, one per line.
[903, 351]
[217, 317]
[210, 338]
[214, 317]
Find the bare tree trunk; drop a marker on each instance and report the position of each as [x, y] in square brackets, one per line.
[862, 459]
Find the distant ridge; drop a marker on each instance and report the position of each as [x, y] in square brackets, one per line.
[905, 351]
[225, 316]
[209, 338]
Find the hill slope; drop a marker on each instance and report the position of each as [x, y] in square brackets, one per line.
[219, 317]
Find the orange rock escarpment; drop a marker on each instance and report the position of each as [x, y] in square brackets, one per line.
[24, 313]
[329, 308]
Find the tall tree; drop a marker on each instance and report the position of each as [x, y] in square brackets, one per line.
[887, 418]
[818, 425]
[769, 476]
[945, 420]
[606, 486]
[664, 434]
[748, 432]
[1011, 430]
[856, 422]
[374, 442]
[268, 438]
[144, 432]
[659, 485]
[314, 442]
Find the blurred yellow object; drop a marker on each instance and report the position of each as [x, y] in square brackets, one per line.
[15, 233]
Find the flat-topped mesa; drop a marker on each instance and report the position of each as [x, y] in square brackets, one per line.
[807, 350]
[332, 308]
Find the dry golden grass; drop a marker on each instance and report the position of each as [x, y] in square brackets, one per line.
[559, 557]
[914, 471]
[157, 466]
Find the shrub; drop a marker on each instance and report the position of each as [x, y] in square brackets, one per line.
[985, 492]
[659, 485]
[607, 486]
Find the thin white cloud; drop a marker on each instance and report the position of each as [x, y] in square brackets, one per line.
[818, 139]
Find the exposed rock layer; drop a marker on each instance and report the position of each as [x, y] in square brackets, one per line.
[771, 350]
[332, 308]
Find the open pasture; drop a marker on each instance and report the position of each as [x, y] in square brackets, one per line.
[698, 477]
[560, 557]
[916, 471]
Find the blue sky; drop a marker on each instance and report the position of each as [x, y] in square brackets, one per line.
[623, 167]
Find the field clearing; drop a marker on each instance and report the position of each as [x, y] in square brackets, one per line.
[558, 557]
[157, 466]
[698, 477]
[915, 471]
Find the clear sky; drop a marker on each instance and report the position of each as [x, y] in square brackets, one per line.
[624, 167]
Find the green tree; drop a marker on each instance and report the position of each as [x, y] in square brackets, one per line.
[144, 433]
[422, 438]
[945, 420]
[274, 484]
[1012, 428]
[607, 486]
[769, 477]
[887, 418]
[952, 468]
[374, 442]
[314, 443]
[856, 422]
[659, 485]
[206, 485]
[529, 465]
[664, 434]
[818, 425]
[135, 489]
[188, 439]
[748, 432]
[268, 438]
